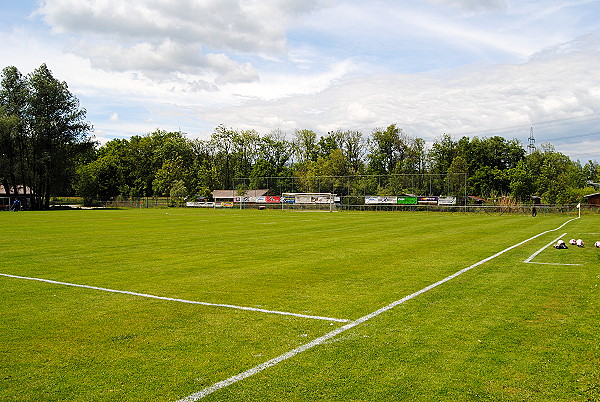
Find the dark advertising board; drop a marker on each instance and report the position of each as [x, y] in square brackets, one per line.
[428, 200]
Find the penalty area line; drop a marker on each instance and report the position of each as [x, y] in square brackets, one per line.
[259, 310]
[532, 256]
[318, 341]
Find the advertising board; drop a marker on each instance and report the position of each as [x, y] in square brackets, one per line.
[382, 199]
[407, 200]
[272, 200]
[427, 200]
[447, 201]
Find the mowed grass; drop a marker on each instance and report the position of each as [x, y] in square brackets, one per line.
[505, 330]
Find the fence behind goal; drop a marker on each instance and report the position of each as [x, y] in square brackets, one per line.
[367, 191]
[308, 201]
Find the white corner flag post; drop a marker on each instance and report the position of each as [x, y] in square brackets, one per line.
[579, 208]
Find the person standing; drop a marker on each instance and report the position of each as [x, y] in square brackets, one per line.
[16, 206]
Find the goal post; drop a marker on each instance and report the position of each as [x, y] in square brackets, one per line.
[308, 201]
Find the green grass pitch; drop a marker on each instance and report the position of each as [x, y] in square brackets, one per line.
[505, 330]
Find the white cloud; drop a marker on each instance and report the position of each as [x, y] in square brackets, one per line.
[278, 85]
[431, 66]
[359, 112]
[231, 24]
[163, 40]
[474, 5]
[169, 61]
[465, 100]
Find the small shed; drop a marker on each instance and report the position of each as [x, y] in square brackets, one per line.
[593, 199]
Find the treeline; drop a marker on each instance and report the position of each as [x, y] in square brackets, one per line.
[387, 162]
[45, 146]
[43, 135]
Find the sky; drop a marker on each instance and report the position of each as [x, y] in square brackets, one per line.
[475, 68]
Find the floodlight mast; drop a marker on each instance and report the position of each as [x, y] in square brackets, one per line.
[531, 145]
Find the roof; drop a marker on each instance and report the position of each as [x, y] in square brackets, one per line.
[235, 193]
[591, 195]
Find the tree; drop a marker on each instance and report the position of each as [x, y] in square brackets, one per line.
[521, 182]
[222, 141]
[305, 146]
[276, 150]
[245, 151]
[457, 173]
[178, 192]
[387, 148]
[168, 175]
[337, 167]
[353, 146]
[556, 176]
[155, 163]
[58, 133]
[8, 150]
[47, 138]
[203, 176]
[327, 144]
[489, 182]
[107, 176]
[442, 153]
[413, 161]
[591, 170]
[14, 141]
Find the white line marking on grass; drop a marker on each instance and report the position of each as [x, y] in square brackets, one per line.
[303, 348]
[532, 256]
[549, 263]
[260, 310]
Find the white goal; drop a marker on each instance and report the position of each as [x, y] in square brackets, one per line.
[308, 201]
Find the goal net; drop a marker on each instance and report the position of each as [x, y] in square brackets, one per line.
[308, 201]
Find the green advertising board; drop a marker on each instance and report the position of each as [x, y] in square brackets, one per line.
[407, 200]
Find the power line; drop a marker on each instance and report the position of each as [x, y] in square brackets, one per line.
[576, 136]
[590, 117]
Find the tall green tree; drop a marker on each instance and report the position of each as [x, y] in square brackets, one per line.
[457, 176]
[556, 178]
[222, 143]
[353, 146]
[387, 147]
[14, 142]
[521, 182]
[245, 152]
[442, 153]
[591, 170]
[8, 150]
[305, 146]
[50, 137]
[58, 131]
[276, 150]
